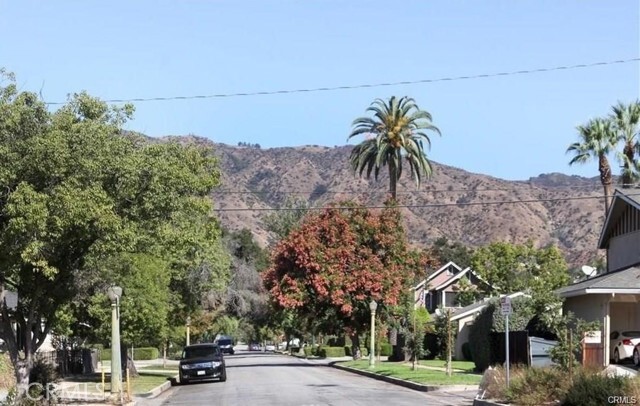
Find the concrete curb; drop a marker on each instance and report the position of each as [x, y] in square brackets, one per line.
[407, 384]
[483, 402]
[158, 389]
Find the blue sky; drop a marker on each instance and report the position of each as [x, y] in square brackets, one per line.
[511, 127]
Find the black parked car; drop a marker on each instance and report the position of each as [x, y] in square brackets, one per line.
[200, 362]
[226, 345]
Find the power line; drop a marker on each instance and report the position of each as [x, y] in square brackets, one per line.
[524, 184]
[368, 85]
[425, 206]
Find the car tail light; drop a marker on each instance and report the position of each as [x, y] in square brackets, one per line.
[626, 341]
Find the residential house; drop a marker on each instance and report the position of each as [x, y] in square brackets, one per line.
[612, 297]
[465, 316]
[440, 289]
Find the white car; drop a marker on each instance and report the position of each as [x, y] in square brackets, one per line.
[622, 344]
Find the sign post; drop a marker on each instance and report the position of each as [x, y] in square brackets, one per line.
[505, 309]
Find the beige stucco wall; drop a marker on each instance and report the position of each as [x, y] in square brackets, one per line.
[625, 315]
[586, 307]
[613, 312]
[464, 326]
[623, 251]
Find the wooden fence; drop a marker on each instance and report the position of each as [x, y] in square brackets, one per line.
[592, 354]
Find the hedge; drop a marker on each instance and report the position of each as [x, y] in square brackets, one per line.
[490, 320]
[386, 349]
[331, 352]
[139, 354]
[145, 353]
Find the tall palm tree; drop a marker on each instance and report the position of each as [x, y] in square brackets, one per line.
[626, 121]
[597, 139]
[398, 132]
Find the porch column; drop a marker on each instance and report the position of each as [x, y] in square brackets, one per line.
[606, 330]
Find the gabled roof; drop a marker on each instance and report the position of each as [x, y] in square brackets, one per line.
[623, 281]
[619, 203]
[477, 307]
[443, 268]
[458, 276]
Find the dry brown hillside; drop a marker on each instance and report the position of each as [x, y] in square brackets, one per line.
[471, 208]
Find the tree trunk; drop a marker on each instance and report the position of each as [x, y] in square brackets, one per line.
[627, 177]
[22, 370]
[393, 181]
[355, 346]
[607, 180]
[127, 362]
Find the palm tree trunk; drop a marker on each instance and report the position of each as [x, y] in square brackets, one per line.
[627, 177]
[393, 181]
[606, 179]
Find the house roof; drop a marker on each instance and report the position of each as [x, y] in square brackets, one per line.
[443, 268]
[623, 281]
[458, 276]
[477, 307]
[619, 203]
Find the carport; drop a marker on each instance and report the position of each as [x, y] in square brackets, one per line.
[612, 299]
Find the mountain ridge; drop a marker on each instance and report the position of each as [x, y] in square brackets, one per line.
[472, 208]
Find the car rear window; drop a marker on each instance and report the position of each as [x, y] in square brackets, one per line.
[224, 342]
[199, 352]
[634, 334]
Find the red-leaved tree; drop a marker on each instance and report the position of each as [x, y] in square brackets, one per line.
[340, 259]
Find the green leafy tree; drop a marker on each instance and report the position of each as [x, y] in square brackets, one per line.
[445, 331]
[145, 303]
[510, 268]
[597, 140]
[444, 251]
[398, 132]
[75, 190]
[285, 220]
[570, 332]
[467, 293]
[626, 122]
[415, 333]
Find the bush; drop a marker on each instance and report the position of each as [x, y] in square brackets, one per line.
[364, 351]
[331, 352]
[105, 354]
[466, 351]
[537, 386]
[491, 320]
[386, 349]
[145, 353]
[595, 389]
[44, 374]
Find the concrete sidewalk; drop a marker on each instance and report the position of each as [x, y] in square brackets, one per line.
[79, 393]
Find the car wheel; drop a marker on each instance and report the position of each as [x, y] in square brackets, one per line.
[616, 357]
[223, 376]
[636, 357]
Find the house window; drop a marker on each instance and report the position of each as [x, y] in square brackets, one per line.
[450, 299]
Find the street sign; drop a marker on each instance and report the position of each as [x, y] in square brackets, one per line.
[506, 310]
[505, 305]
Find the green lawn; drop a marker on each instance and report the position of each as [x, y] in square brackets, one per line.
[466, 366]
[168, 368]
[143, 383]
[421, 375]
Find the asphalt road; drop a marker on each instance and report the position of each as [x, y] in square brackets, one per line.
[264, 379]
